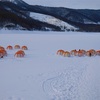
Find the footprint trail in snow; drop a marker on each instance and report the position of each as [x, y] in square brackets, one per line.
[65, 85]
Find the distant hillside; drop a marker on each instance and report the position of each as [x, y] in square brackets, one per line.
[16, 14]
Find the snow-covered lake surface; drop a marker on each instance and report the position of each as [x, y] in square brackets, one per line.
[44, 75]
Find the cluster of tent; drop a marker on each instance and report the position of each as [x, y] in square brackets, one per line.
[78, 53]
[20, 50]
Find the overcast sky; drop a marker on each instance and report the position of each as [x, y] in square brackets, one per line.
[84, 4]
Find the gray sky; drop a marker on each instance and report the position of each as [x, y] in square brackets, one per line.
[84, 4]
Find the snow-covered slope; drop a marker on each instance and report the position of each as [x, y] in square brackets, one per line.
[78, 4]
[52, 20]
[43, 75]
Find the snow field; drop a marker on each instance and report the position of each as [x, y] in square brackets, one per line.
[43, 75]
